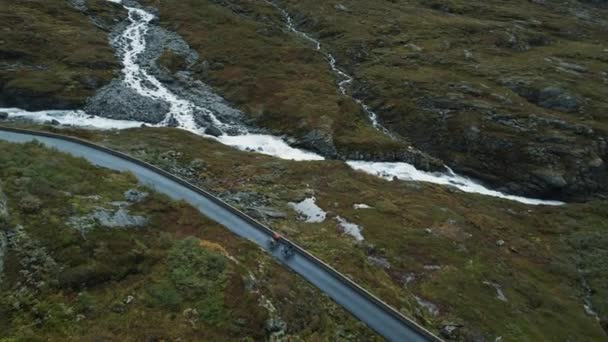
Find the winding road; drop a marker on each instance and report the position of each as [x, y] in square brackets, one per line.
[378, 315]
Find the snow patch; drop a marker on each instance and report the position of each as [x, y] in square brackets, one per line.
[500, 295]
[361, 206]
[431, 308]
[309, 210]
[349, 228]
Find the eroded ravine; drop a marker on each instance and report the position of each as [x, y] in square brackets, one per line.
[131, 43]
[344, 80]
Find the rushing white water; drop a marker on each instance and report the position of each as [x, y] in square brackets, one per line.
[407, 172]
[70, 117]
[132, 43]
[269, 145]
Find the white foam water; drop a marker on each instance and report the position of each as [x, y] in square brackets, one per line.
[408, 172]
[269, 145]
[132, 43]
[70, 118]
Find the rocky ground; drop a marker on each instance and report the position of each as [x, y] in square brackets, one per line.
[87, 254]
[466, 266]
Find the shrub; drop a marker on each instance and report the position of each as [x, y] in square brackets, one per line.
[194, 270]
[164, 294]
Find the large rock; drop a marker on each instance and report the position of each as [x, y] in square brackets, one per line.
[547, 96]
[213, 131]
[117, 101]
[135, 196]
[118, 219]
[269, 212]
[275, 326]
[3, 115]
[551, 178]
[558, 99]
[319, 141]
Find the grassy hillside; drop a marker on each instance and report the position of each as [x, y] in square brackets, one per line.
[275, 77]
[83, 260]
[53, 56]
[510, 92]
[435, 253]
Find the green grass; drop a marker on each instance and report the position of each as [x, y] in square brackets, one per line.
[57, 57]
[537, 267]
[188, 277]
[276, 78]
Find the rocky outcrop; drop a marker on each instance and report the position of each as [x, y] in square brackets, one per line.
[116, 101]
[547, 96]
[319, 141]
[135, 196]
[117, 219]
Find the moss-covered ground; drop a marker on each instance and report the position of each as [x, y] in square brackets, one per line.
[444, 247]
[459, 80]
[178, 277]
[278, 79]
[52, 56]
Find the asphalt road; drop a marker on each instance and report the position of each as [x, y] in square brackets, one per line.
[376, 314]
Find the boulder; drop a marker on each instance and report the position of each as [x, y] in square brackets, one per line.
[3, 115]
[319, 141]
[553, 179]
[557, 98]
[172, 122]
[213, 131]
[135, 196]
[119, 219]
[275, 326]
